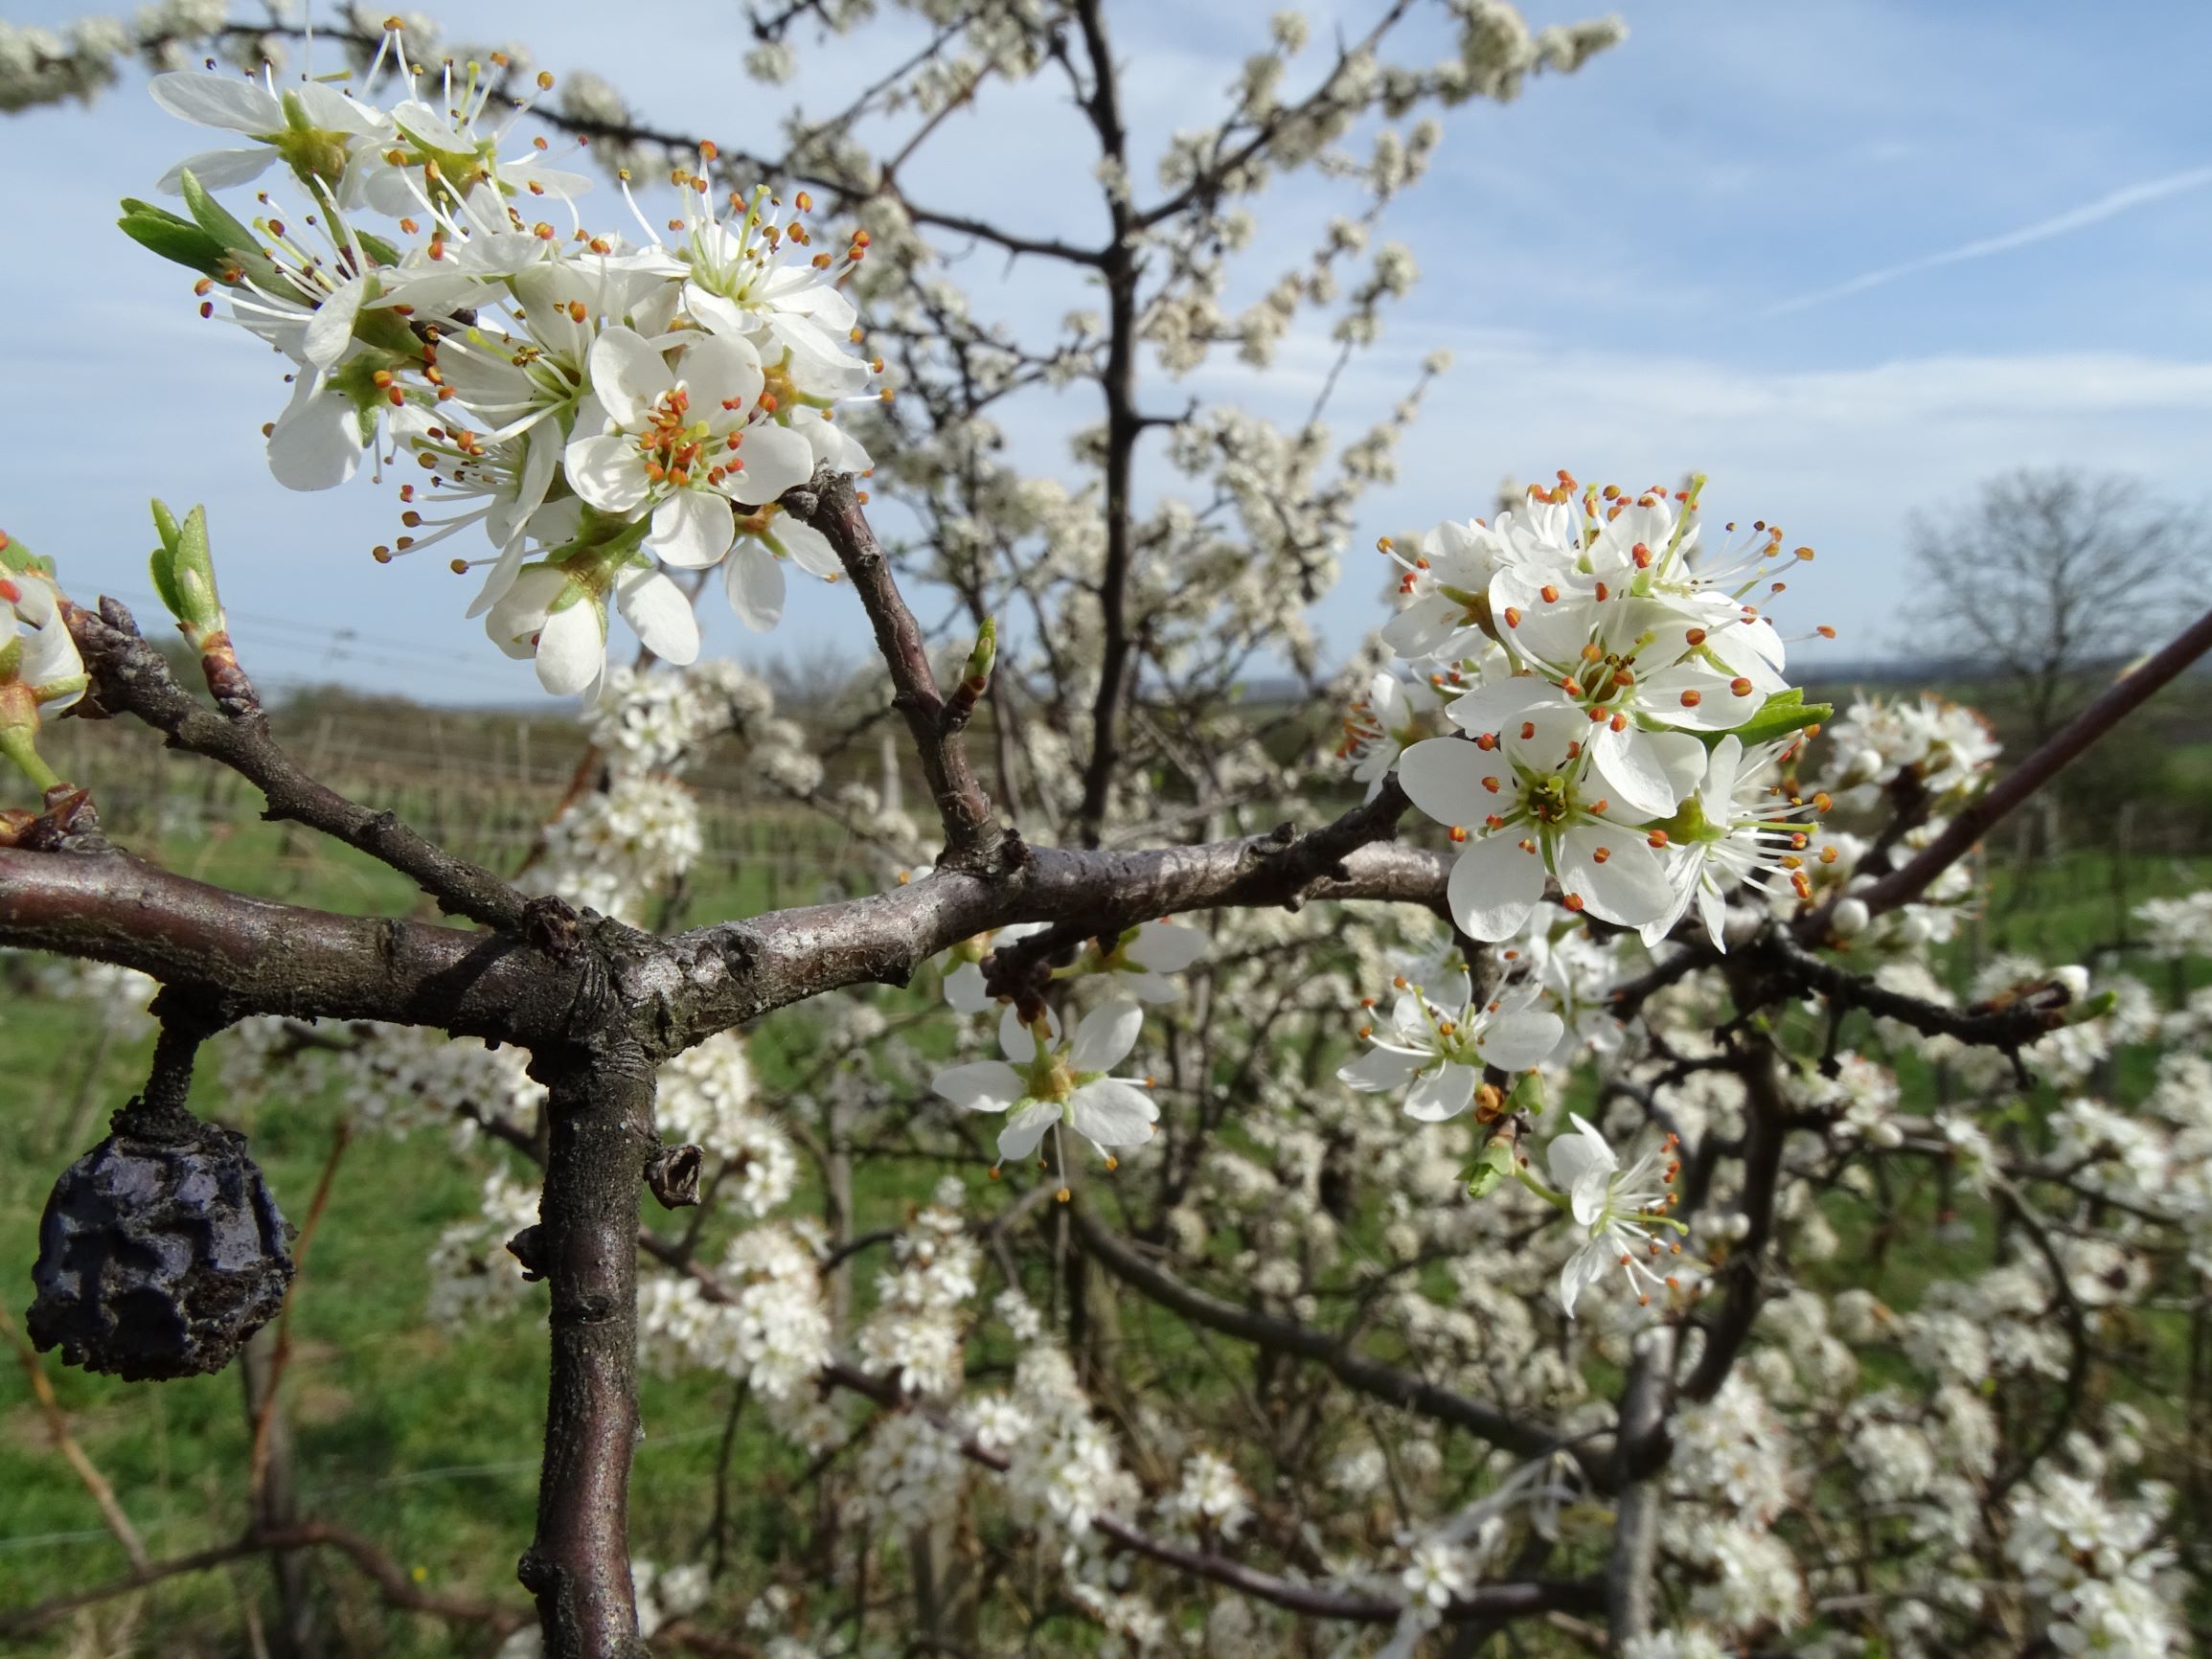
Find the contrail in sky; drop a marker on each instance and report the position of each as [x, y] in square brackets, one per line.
[2105, 207]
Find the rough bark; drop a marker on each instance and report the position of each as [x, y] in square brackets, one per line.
[578, 1566]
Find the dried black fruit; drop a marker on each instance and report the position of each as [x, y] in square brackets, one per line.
[161, 1250]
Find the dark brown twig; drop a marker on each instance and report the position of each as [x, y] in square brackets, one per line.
[1957, 839]
[281, 1357]
[392, 1580]
[132, 678]
[975, 841]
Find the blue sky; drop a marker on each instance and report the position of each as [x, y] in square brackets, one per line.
[1848, 259]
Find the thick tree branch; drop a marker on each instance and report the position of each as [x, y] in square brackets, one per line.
[265, 958]
[132, 678]
[736, 971]
[1640, 1451]
[600, 1105]
[1302, 865]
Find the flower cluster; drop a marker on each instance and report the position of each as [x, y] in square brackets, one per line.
[1624, 723]
[601, 410]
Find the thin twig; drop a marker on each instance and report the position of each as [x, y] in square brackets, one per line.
[1958, 837]
[282, 1355]
[65, 1443]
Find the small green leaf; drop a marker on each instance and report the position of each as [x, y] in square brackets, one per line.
[1771, 724]
[176, 239]
[1782, 714]
[213, 218]
[985, 653]
[184, 573]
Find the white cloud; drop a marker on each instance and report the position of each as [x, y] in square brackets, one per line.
[2107, 206]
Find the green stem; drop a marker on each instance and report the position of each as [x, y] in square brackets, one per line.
[17, 743]
[1556, 1199]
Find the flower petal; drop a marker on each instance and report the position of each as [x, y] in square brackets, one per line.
[722, 375]
[692, 528]
[1166, 946]
[316, 441]
[1571, 1155]
[1378, 1071]
[215, 169]
[980, 1085]
[1495, 707]
[504, 571]
[1633, 772]
[629, 377]
[572, 646]
[966, 990]
[1026, 1127]
[1582, 1269]
[1615, 873]
[210, 100]
[1015, 1040]
[1444, 778]
[660, 614]
[1495, 884]
[1104, 1035]
[754, 580]
[775, 458]
[806, 544]
[1444, 1095]
[605, 471]
[1114, 1113]
[330, 330]
[1518, 1041]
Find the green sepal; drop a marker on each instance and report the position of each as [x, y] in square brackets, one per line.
[378, 250]
[381, 328]
[15, 556]
[1492, 1166]
[1527, 1095]
[312, 152]
[2093, 1007]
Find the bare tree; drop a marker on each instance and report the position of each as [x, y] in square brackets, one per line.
[2050, 574]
